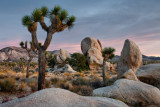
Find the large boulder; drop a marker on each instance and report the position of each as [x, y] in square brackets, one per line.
[54, 97]
[92, 49]
[65, 68]
[134, 93]
[131, 58]
[88, 43]
[94, 58]
[62, 56]
[149, 74]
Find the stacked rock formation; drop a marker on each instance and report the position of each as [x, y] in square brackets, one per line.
[62, 56]
[130, 60]
[92, 48]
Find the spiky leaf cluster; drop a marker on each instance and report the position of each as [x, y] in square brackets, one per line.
[37, 15]
[21, 44]
[109, 51]
[44, 11]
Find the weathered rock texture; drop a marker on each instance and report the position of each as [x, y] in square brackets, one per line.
[13, 53]
[65, 68]
[134, 93]
[62, 56]
[149, 74]
[130, 59]
[62, 98]
[92, 48]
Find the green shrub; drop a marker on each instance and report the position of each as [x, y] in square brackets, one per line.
[78, 62]
[95, 82]
[8, 85]
[80, 81]
[51, 61]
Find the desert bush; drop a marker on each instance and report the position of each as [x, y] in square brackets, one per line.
[48, 83]
[61, 84]
[67, 74]
[32, 83]
[110, 81]
[33, 64]
[85, 90]
[80, 81]
[82, 90]
[8, 85]
[78, 62]
[22, 86]
[51, 61]
[95, 82]
[54, 80]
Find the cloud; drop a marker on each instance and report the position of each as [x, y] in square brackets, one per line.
[111, 21]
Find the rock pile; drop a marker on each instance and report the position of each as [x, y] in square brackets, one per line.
[130, 60]
[134, 93]
[62, 56]
[92, 49]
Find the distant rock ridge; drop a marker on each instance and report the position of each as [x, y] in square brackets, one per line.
[13, 53]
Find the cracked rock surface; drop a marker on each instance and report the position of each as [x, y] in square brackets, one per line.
[55, 97]
[133, 93]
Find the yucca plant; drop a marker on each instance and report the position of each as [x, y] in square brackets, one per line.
[32, 52]
[59, 19]
[108, 53]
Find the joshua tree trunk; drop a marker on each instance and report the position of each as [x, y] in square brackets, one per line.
[28, 65]
[42, 66]
[104, 71]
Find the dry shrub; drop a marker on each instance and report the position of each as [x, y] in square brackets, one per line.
[8, 85]
[82, 74]
[82, 90]
[2, 75]
[68, 86]
[85, 90]
[54, 80]
[47, 83]
[80, 81]
[95, 82]
[60, 84]
[22, 86]
[67, 74]
[33, 83]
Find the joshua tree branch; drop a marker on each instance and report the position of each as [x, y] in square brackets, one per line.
[43, 24]
[48, 39]
[34, 40]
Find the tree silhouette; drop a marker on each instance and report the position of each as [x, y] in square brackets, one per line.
[32, 52]
[108, 53]
[59, 21]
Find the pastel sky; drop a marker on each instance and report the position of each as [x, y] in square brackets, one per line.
[110, 21]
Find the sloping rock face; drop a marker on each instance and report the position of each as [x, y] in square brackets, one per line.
[130, 75]
[65, 68]
[92, 48]
[131, 58]
[62, 56]
[149, 74]
[13, 53]
[134, 93]
[54, 97]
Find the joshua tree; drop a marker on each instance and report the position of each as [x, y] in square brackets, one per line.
[108, 53]
[59, 21]
[31, 54]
